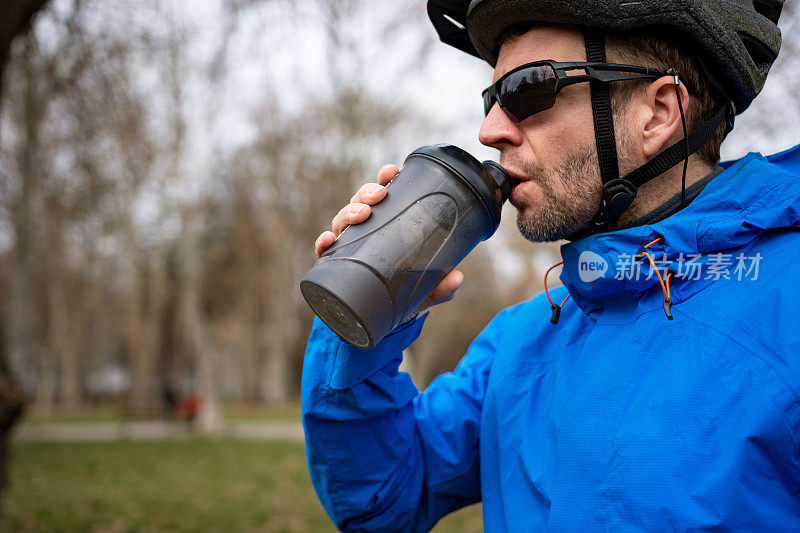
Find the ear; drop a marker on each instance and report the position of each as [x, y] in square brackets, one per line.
[660, 115]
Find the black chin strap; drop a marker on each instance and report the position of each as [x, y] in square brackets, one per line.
[619, 193]
[601, 109]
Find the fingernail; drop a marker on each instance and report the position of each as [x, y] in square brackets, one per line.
[357, 209]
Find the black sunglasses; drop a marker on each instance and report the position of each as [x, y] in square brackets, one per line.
[532, 87]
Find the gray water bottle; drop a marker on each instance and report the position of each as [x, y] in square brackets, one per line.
[436, 210]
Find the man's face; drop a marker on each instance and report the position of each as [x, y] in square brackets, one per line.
[552, 154]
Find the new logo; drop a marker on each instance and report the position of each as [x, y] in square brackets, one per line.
[591, 266]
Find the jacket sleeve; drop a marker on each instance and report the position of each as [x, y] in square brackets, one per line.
[382, 455]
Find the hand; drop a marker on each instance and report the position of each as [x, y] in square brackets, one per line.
[358, 210]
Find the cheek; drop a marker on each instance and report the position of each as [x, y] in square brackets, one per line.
[567, 127]
[553, 140]
[576, 124]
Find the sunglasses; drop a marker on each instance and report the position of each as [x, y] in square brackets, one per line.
[532, 87]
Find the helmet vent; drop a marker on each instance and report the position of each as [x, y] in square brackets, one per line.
[768, 8]
[762, 56]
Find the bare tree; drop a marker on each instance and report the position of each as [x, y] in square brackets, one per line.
[156, 249]
[15, 17]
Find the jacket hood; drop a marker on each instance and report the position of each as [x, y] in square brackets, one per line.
[751, 196]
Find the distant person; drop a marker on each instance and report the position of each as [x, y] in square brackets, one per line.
[190, 407]
[660, 390]
[170, 400]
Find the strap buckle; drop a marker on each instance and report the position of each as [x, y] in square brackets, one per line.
[618, 195]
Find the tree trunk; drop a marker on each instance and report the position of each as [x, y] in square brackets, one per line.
[144, 393]
[154, 327]
[15, 15]
[20, 337]
[209, 416]
[12, 401]
[276, 370]
[280, 318]
[250, 345]
[62, 343]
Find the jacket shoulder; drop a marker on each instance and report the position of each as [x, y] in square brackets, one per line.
[524, 332]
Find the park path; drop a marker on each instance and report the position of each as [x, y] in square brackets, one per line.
[153, 430]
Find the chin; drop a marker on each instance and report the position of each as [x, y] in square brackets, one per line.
[530, 217]
[527, 204]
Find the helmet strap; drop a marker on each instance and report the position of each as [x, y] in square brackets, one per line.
[619, 193]
[680, 150]
[601, 110]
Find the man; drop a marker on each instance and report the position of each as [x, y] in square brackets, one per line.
[665, 395]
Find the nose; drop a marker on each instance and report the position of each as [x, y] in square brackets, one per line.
[498, 130]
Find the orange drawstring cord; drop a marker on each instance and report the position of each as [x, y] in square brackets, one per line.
[664, 283]
[556, 309]
[652, 242]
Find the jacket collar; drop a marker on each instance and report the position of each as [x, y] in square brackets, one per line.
[750, 196]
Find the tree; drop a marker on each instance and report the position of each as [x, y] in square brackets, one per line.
[15, 18]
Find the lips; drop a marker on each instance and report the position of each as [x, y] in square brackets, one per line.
[516, 185]
[525, 191]
[516, 177]
[517, 180]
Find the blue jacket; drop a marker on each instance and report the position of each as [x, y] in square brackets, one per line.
[614, 419]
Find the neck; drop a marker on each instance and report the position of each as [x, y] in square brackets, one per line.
[660, 189]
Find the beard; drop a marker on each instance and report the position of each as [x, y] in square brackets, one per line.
[571, 192]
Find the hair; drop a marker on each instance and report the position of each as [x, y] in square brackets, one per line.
[657, 50]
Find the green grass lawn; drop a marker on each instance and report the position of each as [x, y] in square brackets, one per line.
[176, 485]
[114, 412]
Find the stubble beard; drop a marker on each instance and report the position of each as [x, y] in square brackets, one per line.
[571, 198]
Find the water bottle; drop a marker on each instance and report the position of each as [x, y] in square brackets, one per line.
[436, 210]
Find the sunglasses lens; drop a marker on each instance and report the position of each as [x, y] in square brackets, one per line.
[488, 101]
[528, 91]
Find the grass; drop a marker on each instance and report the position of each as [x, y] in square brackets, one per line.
[177, 485]
[115, 411]
[288, 411]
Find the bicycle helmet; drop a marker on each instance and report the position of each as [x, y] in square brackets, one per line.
[737, 41]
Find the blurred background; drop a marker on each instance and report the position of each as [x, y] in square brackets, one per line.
[165, 168]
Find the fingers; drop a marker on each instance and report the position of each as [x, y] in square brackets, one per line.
[444, 291]
[386, 173]
[349, 214]
[369, 193]
[324, 241]
[358, 209]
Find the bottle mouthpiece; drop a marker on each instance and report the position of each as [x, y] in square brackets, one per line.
[501, 177]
